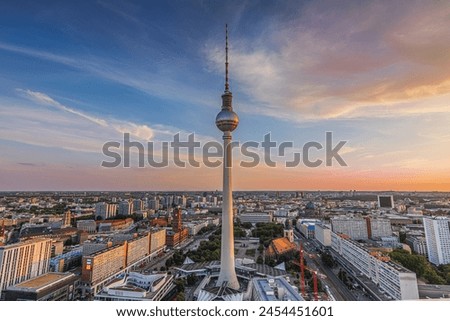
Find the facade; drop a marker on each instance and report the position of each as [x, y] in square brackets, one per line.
[99, 267]
[47, 287]
[393, 279]
[138, 205]
[354, 227]
[87, 225]
[256, 218]
[323, 235]
[157, 241]
[378, 227]
[22, 261]
[418, 244]
[137, 249]
[274, 289]
[385, 201]
[179, 233]
[437, 234]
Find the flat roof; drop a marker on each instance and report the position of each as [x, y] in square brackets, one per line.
[43, 281]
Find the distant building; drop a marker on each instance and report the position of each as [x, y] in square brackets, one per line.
[274, 289]
[179, 233]
[418, 244]
[22, 261]
[47, 287]
[87, 225]
[105, 210]
[125, 208]
[288, 231]
[385, 201]
[137, 287]
[378, 227]
[437, 234]
[101, 266]
[138, 205]
[323, 235]
[256, 217]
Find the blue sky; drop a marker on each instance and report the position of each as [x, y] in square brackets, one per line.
[75, 75]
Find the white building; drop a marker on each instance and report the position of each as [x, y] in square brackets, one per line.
[22, 261]
[393, 279]
[274, 289]
[256, 217]
[418, 244]
[437, 234]
[323, 235]
[105, 210]
[354, 227]
[137, 287]
[125, 208]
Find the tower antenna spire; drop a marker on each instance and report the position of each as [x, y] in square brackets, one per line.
[227, 86]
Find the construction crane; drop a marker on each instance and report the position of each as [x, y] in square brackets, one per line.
[302, 276]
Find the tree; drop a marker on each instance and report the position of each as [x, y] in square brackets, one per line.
[259, 260]
[191, 279]
[328, 260]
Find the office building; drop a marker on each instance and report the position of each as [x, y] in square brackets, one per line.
[22, 261]
[418, 244]
[178, 234]
[391, 278]
[138, 205]
[386, 201]
[125, 208]
[437, 234]
[323, 235]
[87, 225]
[256, 217]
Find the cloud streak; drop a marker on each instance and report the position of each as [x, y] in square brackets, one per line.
[348, 61]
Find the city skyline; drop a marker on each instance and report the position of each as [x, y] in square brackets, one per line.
[74, 76]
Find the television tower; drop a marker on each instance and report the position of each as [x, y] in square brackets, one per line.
[227, 121]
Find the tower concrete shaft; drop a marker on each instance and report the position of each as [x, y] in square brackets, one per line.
[227, 268]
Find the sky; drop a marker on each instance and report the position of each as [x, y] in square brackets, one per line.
[76, 75]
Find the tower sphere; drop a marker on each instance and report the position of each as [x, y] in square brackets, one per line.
[227, 120]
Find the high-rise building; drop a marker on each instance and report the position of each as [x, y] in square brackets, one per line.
[437, 234]
[227, 121]
[22, 261]
[125, 208]
[153, 204]
[354, 227]
[396, 281]
[105, 210]
[138, 205]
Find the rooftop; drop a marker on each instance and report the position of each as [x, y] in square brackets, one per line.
[43, 281]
